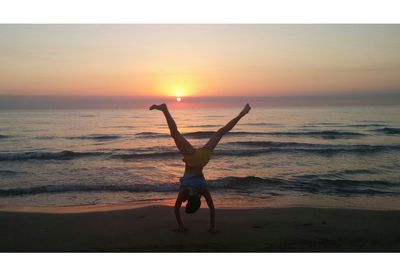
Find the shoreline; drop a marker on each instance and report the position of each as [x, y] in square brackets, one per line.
[381, 204]
[150, 229]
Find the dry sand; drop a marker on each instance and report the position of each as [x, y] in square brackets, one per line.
[150, 229]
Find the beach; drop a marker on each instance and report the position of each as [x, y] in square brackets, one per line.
[150, 229]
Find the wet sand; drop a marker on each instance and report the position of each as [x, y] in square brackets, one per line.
[151, 229]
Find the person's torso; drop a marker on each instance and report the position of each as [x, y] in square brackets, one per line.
[192, 171]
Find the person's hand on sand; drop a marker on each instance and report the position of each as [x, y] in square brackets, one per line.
[181, 229]
[245, 110]
[213, 230]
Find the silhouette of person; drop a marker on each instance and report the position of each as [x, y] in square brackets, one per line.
[193, 183]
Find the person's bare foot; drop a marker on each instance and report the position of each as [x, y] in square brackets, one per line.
[245, 110]
[161, 107]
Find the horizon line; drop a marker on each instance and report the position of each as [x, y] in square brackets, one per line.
[13, 102]
[323, 94]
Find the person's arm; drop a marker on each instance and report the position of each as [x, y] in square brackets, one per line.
[210, 204]
[177, 208]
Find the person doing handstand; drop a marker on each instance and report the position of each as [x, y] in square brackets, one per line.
[193, 183]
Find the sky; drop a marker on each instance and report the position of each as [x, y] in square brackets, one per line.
[198, 60]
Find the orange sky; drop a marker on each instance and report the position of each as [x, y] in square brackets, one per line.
[198, 60]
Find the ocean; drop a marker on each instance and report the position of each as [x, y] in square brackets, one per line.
[275, 157]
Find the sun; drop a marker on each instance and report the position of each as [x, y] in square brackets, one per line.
[179, 92]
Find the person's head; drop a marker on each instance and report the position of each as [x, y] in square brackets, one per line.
[193, 203]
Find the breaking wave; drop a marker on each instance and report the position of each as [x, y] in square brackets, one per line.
[251, 183]
[42, 155]
[331, 134]
[388, 131]
[4, 136]
[270, 146]
[238, 149]
[99, 137]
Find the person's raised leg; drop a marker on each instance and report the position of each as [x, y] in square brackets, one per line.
[214, 140]
[181, 143]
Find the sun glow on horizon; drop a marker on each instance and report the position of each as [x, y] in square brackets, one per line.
[179, 92]
[178, 85]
